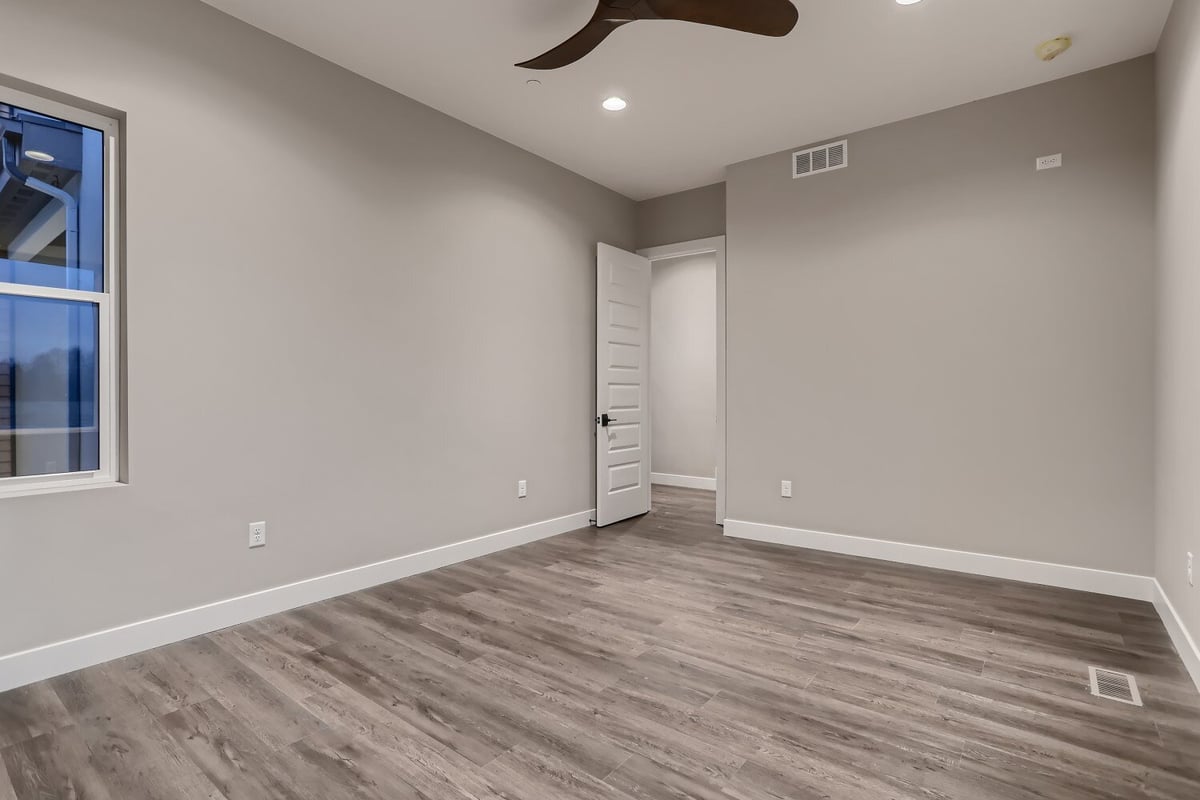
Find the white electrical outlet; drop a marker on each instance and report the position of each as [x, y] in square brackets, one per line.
[1191, 576]
[258, 534]
[1049, 162]
[522, 488]
[785, 489]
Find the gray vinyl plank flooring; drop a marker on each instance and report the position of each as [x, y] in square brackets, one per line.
[653, 660]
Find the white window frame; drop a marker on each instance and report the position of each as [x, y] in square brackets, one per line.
[106, 302]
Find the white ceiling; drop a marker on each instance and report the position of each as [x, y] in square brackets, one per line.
[701, 98]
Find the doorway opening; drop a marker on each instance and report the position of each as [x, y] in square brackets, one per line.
[624, 427]
[687, 366]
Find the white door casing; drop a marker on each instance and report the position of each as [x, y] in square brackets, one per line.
[716, 246]
[622, 385]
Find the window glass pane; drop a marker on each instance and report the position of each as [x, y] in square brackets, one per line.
[51, 202]
[49, 386]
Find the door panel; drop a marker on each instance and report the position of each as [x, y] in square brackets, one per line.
[622, 412]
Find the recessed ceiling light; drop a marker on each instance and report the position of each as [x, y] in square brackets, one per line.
[38, 155]
[533, 82]
[614, 104]
[908, 2]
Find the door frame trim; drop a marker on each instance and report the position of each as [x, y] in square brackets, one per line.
[696, 247]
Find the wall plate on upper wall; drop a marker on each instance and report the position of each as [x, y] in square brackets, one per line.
[1050, 162]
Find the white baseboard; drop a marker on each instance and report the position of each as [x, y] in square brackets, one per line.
[1117, 584]
[1180, 637]
[30, 666]
[683, 481]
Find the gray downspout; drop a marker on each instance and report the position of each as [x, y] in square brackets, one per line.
[70, 204]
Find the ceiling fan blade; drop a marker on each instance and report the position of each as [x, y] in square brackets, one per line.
[582, 43]
[764, 17]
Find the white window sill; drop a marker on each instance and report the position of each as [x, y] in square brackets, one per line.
[56, 486]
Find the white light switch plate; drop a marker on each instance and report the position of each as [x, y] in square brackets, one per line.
[522, 488]
[785, 489]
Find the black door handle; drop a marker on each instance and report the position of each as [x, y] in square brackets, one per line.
[605, 420]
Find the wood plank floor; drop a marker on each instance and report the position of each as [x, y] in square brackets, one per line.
[654, 659]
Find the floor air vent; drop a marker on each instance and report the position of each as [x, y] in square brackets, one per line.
[1115, 686]
[816, 160]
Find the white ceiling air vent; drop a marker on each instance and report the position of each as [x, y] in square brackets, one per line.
[825, 158]
[1115, 686]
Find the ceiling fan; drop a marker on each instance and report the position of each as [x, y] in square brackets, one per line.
[764, 17]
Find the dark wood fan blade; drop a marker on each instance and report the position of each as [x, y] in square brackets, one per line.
[578, 45]
[764, 17]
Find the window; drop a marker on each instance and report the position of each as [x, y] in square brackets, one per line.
[57, 304]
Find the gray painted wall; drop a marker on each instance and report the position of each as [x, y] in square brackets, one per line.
[681, 217]
[1179, 310]
[940, 346]
[348, 315]
[683, 365]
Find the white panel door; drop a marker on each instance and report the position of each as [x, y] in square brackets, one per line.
[622, 385]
